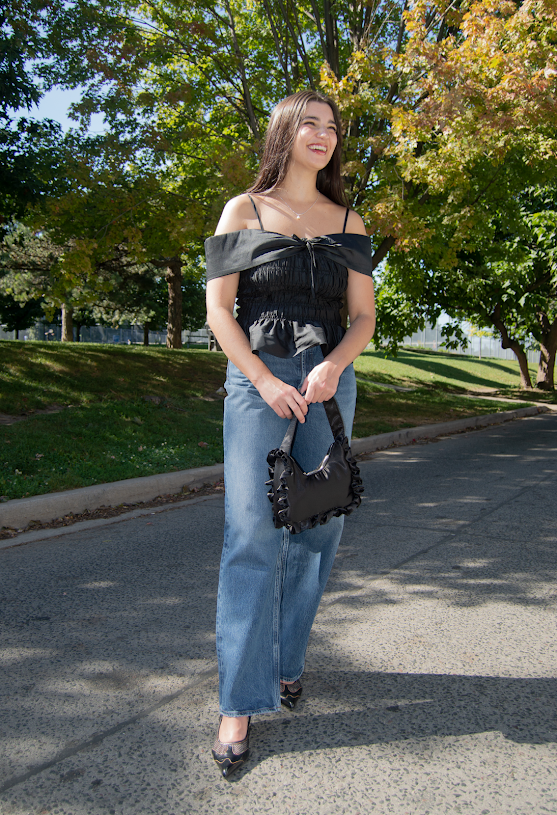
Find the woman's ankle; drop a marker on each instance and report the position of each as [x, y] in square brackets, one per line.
[233, 728]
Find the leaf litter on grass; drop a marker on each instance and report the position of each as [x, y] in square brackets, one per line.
[102, 442]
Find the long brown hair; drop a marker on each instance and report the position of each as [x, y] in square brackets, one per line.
[284, 123]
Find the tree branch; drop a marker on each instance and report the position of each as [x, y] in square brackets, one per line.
[382, 250]
[278, 48]
[332, 47]
[254, 124]
[299, 48]
[317, 18]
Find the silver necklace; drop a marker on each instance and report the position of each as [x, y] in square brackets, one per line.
[297, 214]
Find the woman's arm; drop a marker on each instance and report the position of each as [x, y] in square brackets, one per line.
[322, 382]
[221, 297]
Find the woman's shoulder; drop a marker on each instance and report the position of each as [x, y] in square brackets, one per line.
[338, 214]
[355, 224]
[237, 213]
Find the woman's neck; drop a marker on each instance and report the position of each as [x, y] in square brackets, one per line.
[299, 188]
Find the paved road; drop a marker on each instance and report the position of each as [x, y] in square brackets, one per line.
[431, 675]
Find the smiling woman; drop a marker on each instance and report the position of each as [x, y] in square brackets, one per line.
[286, 252]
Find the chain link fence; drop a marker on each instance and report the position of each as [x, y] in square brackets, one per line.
[480, 347]
[430, 337]
[133, 335]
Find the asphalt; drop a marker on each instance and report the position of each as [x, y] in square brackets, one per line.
[430, 684]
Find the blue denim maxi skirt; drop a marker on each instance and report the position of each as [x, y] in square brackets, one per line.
[270, 582]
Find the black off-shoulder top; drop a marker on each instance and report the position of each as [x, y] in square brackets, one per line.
[290, 292]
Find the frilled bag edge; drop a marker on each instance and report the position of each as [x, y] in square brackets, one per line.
[285, 473]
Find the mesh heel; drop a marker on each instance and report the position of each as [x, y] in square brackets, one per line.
[230, 756]
[290, 693]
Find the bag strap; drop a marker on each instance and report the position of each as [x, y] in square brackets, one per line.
[334, 417]
[335, 422]
[331, 409]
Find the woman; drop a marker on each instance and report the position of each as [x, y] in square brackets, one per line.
[289, 291]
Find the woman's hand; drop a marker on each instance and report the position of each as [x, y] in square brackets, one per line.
[322, 382]
[284, 399]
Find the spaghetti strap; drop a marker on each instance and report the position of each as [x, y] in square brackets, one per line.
[345, 219]
[256, 212]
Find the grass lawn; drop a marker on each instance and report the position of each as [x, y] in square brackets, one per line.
[454, 372]
[127, 411]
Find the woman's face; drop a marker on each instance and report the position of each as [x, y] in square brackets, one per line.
[316, 138]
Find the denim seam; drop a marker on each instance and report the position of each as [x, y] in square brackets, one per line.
[234, 714]
[218, 637]
[279, 579]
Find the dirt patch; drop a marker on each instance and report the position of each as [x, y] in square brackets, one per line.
[112, 512]
[6, 419]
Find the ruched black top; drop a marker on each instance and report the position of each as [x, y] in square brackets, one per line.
[291, 289]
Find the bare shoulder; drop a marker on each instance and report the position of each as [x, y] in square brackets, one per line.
[355, 224]
[235, 215]
[335, 215]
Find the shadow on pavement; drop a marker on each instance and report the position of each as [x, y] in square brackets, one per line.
[368, 708]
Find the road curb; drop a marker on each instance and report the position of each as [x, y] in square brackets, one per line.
[19, 512]
[429, 431]
[40, 535]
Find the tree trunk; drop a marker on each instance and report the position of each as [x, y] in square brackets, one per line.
[548, 349]
[146, 334]
[525, 381]
[67, 324]
[78, 328]
[514, 345]
[213, 343]
[174, 280]
[17, 333]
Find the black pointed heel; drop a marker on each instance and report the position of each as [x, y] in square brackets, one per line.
[290, 693]
[230, 756]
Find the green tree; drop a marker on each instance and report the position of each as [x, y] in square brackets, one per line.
[42, 44]
[117, 290]
[435, 98]
[16, 316]
[34, 267]
[119, 198]
[505, 279]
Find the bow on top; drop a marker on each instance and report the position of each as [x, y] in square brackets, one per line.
[310, 244]
[247, 248]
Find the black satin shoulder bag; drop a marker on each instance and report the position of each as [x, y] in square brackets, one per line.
[303, 500]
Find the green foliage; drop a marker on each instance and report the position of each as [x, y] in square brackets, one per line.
[505, 277]
[15, 316]
[30, 160]
[29, 268]
[434, 99]
[448, 110]
[437, 107]
[42, 43]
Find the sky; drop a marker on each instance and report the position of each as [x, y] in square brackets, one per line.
[55, 104]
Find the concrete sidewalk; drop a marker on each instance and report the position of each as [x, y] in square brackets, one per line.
[430, 683]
